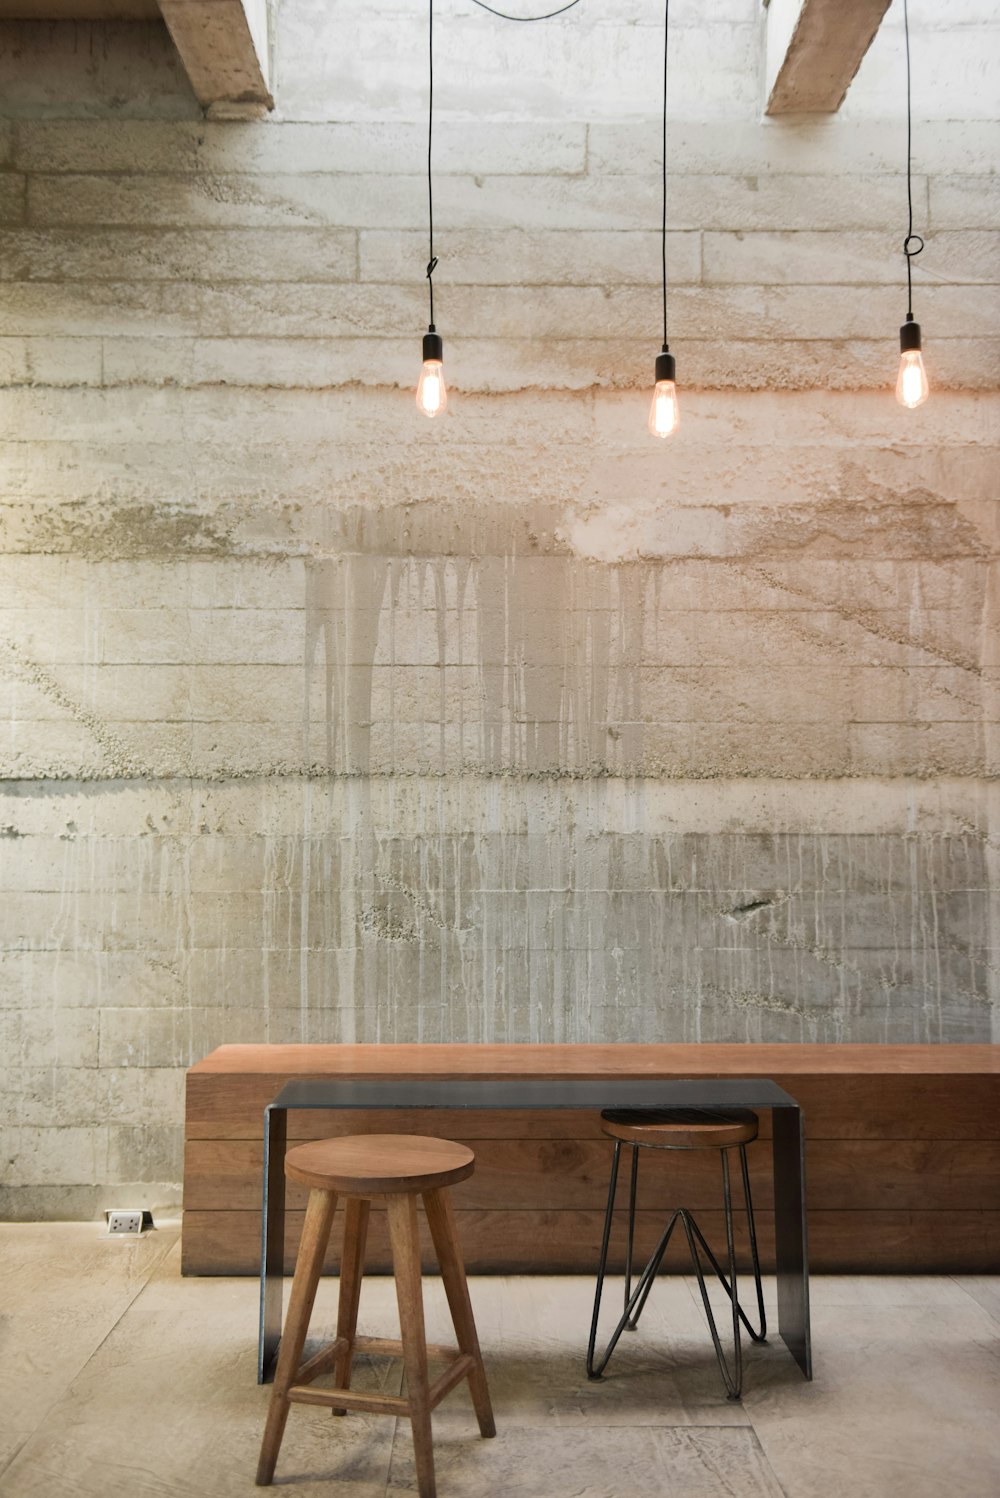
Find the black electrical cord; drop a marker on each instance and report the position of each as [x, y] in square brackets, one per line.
[911, 238]
[663, 225]
[431, 257]
[505, 17]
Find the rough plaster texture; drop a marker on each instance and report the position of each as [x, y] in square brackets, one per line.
[324, 723]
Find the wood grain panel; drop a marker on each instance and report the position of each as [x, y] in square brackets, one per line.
[377, 1061]
[568, 1242]
[902, 1158]
[223, 1175]
[446, 1123]
[837, 1107]
[513, 1173]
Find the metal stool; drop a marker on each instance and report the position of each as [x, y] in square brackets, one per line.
[681, 1129]
[397, 1168]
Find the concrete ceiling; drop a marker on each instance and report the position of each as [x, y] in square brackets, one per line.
[223, 44]
[813, 47]
[79, 10]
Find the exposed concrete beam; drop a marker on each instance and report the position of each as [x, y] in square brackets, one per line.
[79, 10]
[814, 49]
[223, 46]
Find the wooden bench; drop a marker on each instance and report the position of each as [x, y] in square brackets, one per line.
[903, 1150]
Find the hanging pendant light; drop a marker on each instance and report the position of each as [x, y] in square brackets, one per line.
[432, 392]
[664, 412]
[911, 382]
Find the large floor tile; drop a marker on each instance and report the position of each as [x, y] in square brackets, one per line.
[169, 1405]
[534, 1330]
[870, 1291]
[65, 1285]
[904, 1405]
[984, 1290]
[529, 1462]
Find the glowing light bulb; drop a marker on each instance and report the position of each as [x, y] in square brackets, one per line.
[664, 412]
[911, 383]
[432, 392]
[911, 386]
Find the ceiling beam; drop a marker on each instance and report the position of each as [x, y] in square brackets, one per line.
[224, 48]
[814, 49]
[79, 10]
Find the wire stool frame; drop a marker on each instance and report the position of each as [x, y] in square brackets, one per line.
[635, 1300]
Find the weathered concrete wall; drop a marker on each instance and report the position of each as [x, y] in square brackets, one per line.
[325, 723]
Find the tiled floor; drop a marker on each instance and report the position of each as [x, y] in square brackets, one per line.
[119, 1377]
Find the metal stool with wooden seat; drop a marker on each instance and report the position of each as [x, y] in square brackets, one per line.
[397, 1168]
[681, 1129]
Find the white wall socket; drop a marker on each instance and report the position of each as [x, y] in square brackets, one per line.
[121, 1222]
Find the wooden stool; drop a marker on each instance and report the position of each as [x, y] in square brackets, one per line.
[681, 1129]
[398, 1168]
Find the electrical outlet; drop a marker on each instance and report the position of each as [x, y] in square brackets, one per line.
[122, 1223]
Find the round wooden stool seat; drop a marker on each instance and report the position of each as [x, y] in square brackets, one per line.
[379, 1164]
[680, 1128]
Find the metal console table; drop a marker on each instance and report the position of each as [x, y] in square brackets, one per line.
[788, 1157]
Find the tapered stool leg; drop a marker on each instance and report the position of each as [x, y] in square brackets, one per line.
[402, 1212]
[441, 1220]
[308, 1268]
[352, 1266]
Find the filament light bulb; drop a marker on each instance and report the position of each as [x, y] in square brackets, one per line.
[432, 392]
[664, 414]
[911, 383]
[664, 411]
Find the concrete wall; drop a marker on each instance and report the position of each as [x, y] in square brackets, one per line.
[324, 722]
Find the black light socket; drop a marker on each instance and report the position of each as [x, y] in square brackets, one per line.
[433, 347]
[666, 368]
[909, 336]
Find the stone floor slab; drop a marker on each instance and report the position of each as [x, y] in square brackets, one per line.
[169, 1405]
[65, 1287]
[594, 1462]
[904, 1405]
[984, 1289]
[534, 1330]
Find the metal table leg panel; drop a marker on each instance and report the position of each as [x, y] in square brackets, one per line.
[790, 1243]
[272, 1245]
